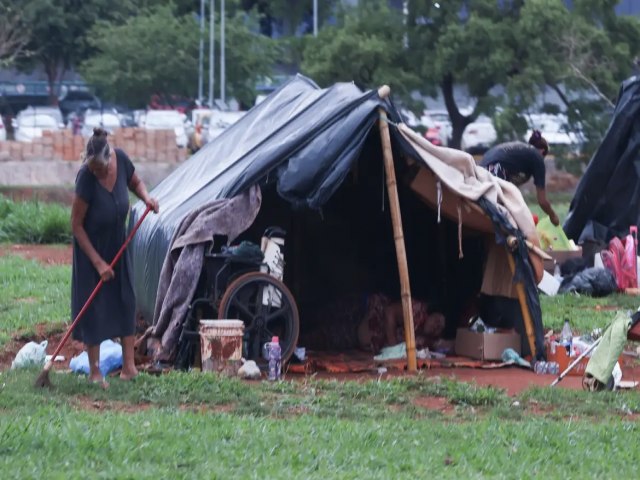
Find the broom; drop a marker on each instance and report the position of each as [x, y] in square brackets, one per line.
[43, 379]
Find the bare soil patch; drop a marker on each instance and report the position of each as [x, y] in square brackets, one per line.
[45, 254]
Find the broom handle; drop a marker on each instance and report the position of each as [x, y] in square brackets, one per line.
[98, 287]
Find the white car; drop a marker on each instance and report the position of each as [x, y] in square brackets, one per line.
[30, 126]
[3, 131]
[479, 134]
[441, 121]
[167, 120]
[44, 110]
[108, 121]
[219, 121]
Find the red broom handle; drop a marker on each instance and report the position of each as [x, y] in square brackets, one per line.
[99, 286]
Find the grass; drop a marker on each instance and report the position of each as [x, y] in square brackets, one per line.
[34, 222]
[31, 294]
[204, 425]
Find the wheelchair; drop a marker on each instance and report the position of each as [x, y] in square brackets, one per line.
[243, 282]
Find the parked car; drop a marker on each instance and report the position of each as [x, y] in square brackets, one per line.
[480, 134]
[107, 120]
[44, 110]
[440, 120]
[168, 120]
[75, 100]
[433, 132]
[219, 122]
[3, 131]
[29, 126]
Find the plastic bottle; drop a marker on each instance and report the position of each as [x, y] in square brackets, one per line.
[275, 360]
[566, 336]
[546, 368]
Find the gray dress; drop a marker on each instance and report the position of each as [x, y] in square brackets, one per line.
[112, 312]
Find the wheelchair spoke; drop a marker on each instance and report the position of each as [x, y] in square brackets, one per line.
[243, 309]
[278, 313]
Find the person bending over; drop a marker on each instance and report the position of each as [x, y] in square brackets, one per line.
[517, 162]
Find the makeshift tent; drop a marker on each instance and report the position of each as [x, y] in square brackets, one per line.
[607, 199]
[311, 160]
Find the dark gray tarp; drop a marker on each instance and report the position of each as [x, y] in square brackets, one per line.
[301, 136]
[607, 200]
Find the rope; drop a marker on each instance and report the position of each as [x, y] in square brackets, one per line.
[439, 197]
[460, 253]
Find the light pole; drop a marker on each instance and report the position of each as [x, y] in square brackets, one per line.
[212, 26]
[315, 18]
[201, 52]
[222, 70]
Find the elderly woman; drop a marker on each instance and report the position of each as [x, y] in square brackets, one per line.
[98, 214]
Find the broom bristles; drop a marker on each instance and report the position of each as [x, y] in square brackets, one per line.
[43, 380]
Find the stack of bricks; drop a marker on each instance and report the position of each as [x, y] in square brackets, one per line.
[140, 144]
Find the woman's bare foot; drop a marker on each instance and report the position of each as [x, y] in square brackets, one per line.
[128, 373]
[98, 380]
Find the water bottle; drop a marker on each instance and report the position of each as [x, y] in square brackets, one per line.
[566, 336]
[275, 360]
[546, 368]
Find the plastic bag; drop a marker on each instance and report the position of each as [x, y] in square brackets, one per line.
[620, 259]
[552, 237]
[597, 282]
[110, 359]
[30, 354]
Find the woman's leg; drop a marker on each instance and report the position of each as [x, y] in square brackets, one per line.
[94, 363]
[128, 362]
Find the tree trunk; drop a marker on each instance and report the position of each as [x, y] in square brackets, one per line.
[458, 121]
[51, 69]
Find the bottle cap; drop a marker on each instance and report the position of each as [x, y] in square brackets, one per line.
[275, 339]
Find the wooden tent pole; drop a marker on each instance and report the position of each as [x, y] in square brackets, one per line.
[524, 307]
[398, 235]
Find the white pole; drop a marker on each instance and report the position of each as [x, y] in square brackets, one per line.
[222, 70]
[315, 18]
[212, 26]
[201, 52]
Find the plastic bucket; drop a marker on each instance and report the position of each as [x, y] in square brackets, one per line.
[221, 345]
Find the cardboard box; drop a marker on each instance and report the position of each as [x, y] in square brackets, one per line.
[559, 257]
[485, 346]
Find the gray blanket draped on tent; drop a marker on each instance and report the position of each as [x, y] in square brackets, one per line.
[177, 284]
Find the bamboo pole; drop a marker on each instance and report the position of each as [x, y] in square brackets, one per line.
[398, 236]
[524, 307]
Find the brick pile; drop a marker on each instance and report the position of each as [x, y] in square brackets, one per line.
[140, 144]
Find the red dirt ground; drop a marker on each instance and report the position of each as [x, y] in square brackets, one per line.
[47, 254]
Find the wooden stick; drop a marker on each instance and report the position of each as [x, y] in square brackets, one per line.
[524, 307]
[398, 235]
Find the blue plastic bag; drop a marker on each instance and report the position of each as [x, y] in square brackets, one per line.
[110, 359]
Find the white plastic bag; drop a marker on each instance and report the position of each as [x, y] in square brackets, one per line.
[110, 359]
[31, 354]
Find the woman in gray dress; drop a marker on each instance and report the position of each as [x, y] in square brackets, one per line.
[98, 215]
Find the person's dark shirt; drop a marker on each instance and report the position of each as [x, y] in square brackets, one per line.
[515, 162]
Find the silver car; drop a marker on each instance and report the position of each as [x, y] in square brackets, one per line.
[167, 120]
[106, 120]
[30, 126]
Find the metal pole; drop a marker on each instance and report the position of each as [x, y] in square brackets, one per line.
[222, 71]
[212, 27]
[201, 52]
[315, 18]
[576, 361]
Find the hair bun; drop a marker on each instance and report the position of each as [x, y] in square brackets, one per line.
[99, 132]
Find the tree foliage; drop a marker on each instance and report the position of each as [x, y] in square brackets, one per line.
[157, 52]
[365, 46]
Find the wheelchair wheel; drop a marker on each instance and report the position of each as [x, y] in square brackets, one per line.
[267, 308]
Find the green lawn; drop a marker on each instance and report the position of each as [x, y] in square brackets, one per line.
[186, 425]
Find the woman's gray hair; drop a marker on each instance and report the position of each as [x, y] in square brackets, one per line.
[97, 150]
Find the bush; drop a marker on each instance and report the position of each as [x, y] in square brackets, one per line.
[34, 222]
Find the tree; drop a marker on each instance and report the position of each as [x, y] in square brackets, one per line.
[157, 52]
[290, 14]
[365, 46]
[14, 34]
[58, 33]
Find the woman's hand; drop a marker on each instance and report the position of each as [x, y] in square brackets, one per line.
[105, 271]
[152, 203]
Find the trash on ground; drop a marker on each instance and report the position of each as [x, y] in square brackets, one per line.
[249, 370]
[110, 359]
[30, 354]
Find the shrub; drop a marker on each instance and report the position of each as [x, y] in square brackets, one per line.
[34, 222]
